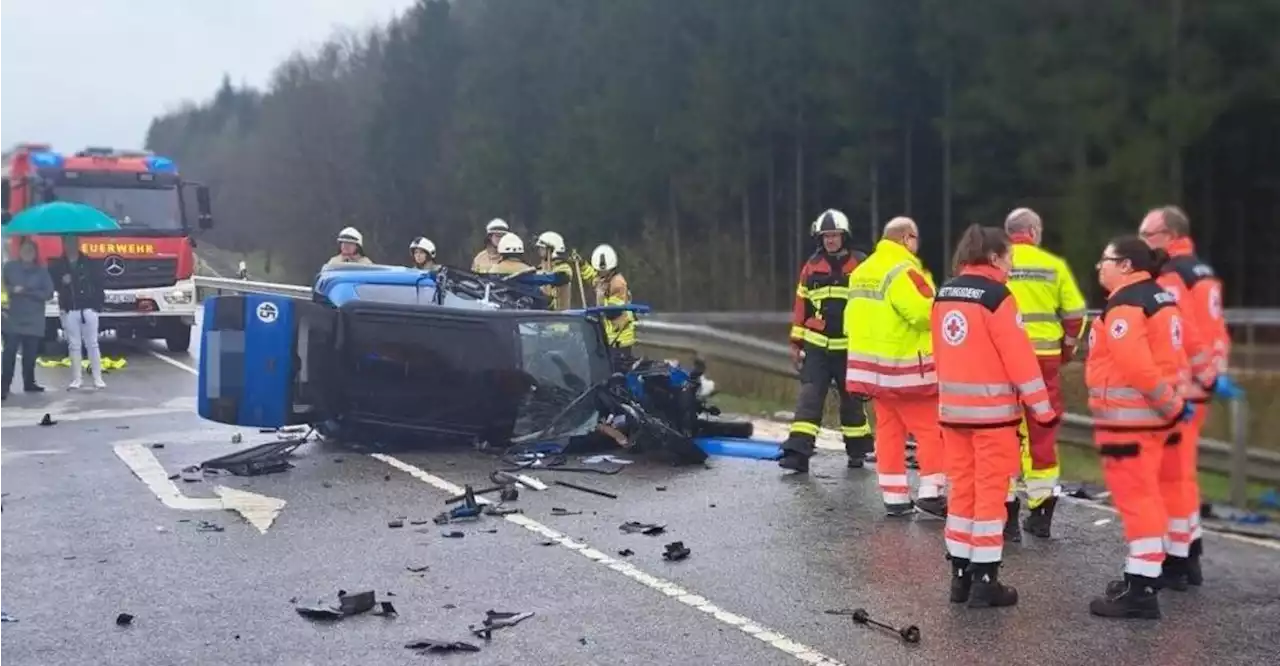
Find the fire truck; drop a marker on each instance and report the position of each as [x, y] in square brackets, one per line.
[149, 262]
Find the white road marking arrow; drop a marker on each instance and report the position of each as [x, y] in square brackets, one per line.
[259, 510]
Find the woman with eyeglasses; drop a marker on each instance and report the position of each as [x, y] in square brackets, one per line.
[1135, 372]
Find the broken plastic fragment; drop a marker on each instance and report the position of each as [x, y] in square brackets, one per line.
[498, 620]
[48, 421]
[558, 511]
[650, 529]
[626, 552]
[393, 524]
[354, 604]
[675, 551]
[418, 569]
[495, 510]
[385, 608]
[453, 535]
[124, 619]
[438, 645]
[319, 612]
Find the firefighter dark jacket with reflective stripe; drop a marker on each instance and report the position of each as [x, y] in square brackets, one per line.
[1052, 307]
[1136, 361]
[1204, 327]
[986, 363]
[821, 294]
[887, 322]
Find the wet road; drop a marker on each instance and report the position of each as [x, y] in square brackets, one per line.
[85, 539]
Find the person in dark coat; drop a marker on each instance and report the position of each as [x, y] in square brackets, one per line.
[78, 280]
[27, 286]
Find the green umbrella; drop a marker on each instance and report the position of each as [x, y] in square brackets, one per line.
[60, 217]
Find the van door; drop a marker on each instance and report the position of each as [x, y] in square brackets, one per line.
[267, 361]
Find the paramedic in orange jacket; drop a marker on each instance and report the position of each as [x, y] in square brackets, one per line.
[1207, 343]
[1135, 372]
[987, 371]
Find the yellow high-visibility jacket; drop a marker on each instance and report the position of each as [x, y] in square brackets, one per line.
[887, 320]
[1047, 296]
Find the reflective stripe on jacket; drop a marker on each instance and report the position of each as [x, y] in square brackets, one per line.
[817, 317]
[1052, 307]
[986, 364]
[619, 331]
[887, 323]
[1204, 326]
[1136, 359]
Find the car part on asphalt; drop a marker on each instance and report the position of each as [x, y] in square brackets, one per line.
[427, 645]
[268, 458]
[909, 634]
[675, 551]
[585, 489]
[497, 620]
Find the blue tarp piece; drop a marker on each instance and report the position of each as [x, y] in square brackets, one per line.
[732, 447]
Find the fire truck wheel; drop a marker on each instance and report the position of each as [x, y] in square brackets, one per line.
[178, 339]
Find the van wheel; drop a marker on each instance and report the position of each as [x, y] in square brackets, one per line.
[178, 339]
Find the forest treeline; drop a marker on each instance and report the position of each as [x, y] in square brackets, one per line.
[702, 136]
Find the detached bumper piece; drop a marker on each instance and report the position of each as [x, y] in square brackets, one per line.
[268, 458]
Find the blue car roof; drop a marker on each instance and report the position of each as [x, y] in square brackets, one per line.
[338, 284]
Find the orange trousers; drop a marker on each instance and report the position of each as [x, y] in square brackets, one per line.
[1132, 463]
[1180, 486]
[896, 416]
[980, 462]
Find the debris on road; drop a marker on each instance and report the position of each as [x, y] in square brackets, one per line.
[497, 620]
[348, 604]
[191, 474]
[507, 493]
[595, 460]
[354, 604]
[385, 608]
[675, 551]
[395, 524]
[268, 458]
[626, 552]
[413, 569]
[158, 445]
[124, 620]
[6, 617]
[209, 526]
[47, 420]
[546, 543]
[649, 529]
[661, 489]
[585, 489]
[427, 645]
[909, 634]
[236, 438]
[453, 535]
[561, 511]
[495, 510]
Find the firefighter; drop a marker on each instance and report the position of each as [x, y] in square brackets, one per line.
[489, 256]
[350, 248]
[891, 361]
[553, 261]
[611, 289]
[819, 348]
[423, 254]
[1053, 311]
[1135, 372]
[510, 257]
[1207, 344]
[986, 366]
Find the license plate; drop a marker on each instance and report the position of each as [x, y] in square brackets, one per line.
[121, 299]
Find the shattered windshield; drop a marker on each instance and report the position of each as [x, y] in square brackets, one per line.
[565, 358]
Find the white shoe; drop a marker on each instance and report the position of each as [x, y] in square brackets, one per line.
[74, 385]
[98, 383]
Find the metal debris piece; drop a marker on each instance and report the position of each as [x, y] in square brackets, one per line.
[497, 620]
[420, 569]
[419, 521]
[354, 604]
[453, 535]
[585, 489]
[675, 551]
[661, 489]
[626, 552]
[319, 612]
[649, 529]
[268, 458]
[395, 524]
[385, 608]
[560, 511]
[124, 620]
[426, 645]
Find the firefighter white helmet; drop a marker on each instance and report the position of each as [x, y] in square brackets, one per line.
[351, 235]
[510, 244]
[831, 220]
[496, 226]
[552, 240]
[424, 244]
[604, 257]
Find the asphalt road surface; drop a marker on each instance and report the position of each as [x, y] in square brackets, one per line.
[85, 539]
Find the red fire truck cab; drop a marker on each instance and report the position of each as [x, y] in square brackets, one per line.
[149, 262]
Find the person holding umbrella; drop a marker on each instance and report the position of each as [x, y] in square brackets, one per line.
[27, 287]
[78, 279]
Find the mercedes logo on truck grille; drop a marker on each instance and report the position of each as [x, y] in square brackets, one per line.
[113, 266]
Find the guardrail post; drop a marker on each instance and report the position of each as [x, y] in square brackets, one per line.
[1239, 452]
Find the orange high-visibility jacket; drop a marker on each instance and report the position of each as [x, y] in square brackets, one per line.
[985, 360]
[1136, 360]
[1204, 325]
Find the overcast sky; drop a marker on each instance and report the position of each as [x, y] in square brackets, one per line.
[77, 73]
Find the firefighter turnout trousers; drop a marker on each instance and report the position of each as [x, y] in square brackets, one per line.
[821, 369]
[979, 464]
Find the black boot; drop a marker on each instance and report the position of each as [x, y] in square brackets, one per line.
[936, 506]
[961, 581]
[856, 462]
[1135, 597]
[1173, 573]
[1194, 575]
[1011, 532]
[1039, 520]
[987, 591]
[794, 460]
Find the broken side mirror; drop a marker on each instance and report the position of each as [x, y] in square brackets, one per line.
[204, 210]
[4, 206]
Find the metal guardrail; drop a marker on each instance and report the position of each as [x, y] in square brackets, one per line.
[673, 332]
